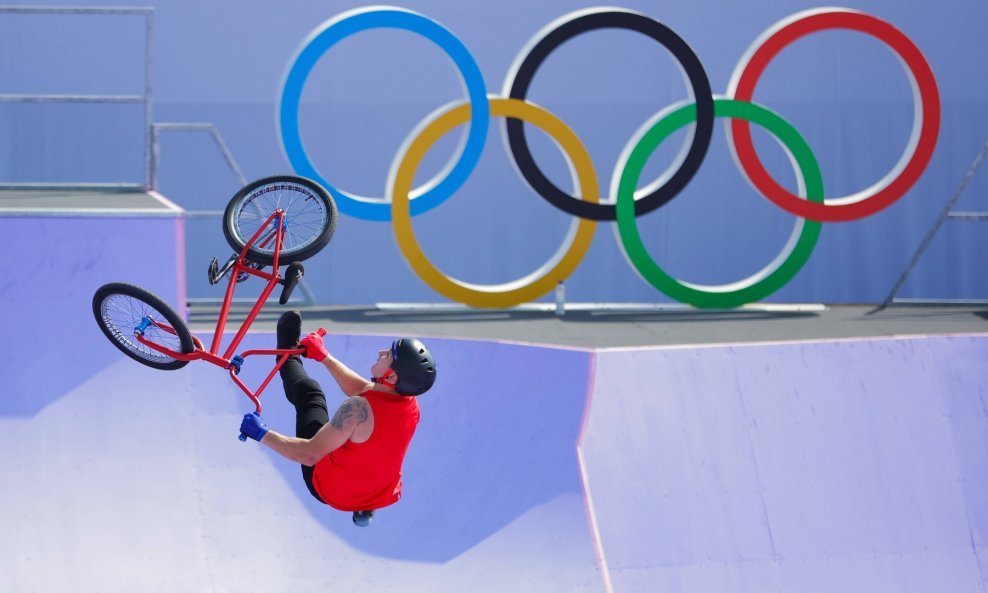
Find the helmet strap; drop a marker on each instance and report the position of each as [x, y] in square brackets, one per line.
[385, 382]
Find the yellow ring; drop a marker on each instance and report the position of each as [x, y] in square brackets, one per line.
[536, 284]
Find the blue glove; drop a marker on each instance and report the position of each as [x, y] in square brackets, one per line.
[252, 427]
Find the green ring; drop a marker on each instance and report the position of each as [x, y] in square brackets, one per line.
[719, 297]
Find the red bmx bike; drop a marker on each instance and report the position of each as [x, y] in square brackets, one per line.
[268, 222]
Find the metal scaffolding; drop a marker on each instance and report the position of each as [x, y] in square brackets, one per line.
[945, 214]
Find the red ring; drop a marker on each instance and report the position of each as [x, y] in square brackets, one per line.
[929, 129]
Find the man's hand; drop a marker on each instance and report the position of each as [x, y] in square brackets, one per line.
[314, 346]
[253, 427]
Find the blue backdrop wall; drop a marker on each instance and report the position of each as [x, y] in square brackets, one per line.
[224, 62]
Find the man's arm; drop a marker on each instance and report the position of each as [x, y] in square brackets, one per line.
[352, 413]
[350, 383]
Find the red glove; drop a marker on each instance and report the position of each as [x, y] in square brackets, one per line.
[314, 347]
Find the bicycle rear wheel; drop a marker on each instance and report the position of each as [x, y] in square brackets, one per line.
[310, 218]
[121, 308]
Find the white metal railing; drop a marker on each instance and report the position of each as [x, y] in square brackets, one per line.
[157, 128]
[945, 214]
[146, 98]
[152, 130]
[309, 297]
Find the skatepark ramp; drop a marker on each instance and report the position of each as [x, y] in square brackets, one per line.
[810, 466]
[835, 465]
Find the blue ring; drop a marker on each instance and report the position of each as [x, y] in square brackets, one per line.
[335, 30]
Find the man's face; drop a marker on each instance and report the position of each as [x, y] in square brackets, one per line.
[382, 365]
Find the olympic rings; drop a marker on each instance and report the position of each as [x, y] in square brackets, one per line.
[926, 118]
[348, 23]
[626, 201]
[536, 284]
[759, 285]
[567, 27]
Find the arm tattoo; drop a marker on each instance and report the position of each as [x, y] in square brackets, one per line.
[352, 412]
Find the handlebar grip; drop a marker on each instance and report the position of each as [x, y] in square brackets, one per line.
[243, 438]
[321, 331]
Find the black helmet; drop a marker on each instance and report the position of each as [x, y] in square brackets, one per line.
[414, 364]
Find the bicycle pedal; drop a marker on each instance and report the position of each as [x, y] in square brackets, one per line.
[214, 271]
[217, 273]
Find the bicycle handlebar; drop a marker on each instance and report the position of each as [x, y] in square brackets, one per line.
[301, 351]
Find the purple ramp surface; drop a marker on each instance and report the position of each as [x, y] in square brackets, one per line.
[134, 480]
[46, 311]
[850, 466]
[833, 466]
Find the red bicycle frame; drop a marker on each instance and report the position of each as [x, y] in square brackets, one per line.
[228, 360]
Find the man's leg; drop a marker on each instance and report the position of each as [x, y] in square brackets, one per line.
[302, 391]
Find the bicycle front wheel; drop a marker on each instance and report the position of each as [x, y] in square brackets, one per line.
[309, 220]
[121, 309]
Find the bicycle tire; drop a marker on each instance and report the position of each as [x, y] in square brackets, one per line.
[120, 307]
[315, 215]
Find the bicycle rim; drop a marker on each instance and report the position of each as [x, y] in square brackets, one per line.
[306, 217]
[122, 313]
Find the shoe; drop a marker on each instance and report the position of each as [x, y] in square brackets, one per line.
[289, 330]
[362, 518]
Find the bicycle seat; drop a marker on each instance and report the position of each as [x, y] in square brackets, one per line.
[293, 274]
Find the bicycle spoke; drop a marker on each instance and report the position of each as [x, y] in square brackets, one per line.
[304, 216]
[123, 314]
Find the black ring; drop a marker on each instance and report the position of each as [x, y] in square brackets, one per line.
[701, 91]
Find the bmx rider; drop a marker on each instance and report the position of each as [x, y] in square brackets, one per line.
[353, 461]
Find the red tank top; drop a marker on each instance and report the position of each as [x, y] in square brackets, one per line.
[366, 476]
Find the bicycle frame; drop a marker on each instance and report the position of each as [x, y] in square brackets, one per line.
[228, 360]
